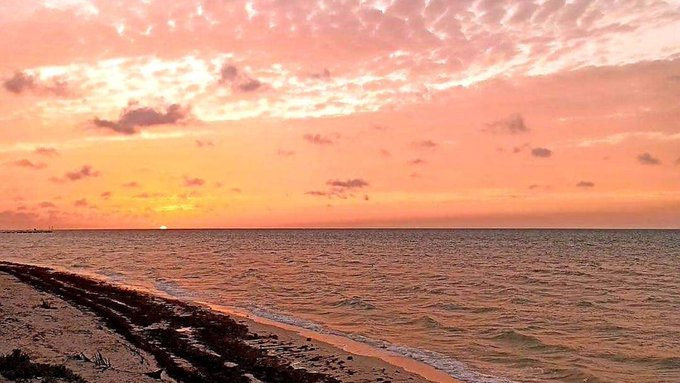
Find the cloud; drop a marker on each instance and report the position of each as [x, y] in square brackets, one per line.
[24, 163]
[81, 203]
[417, 161]
[677, 162]
[204, 143]
[249, 85]
[585, 184]
[230, 74]
[648, 159]
[285, 153]
[193, 182]
[323, 75]
[47, 152]
[329, 194]
[148, 195]
[541, 152]
[342, 189]
[348, 184]
[514, 124]
[22, 82]
[19, 83]
[318, 139]
[106, 195]
[46, 205]
[134, 117]
[85, 171]
[615, 139]
[131, 184]
[428, 144]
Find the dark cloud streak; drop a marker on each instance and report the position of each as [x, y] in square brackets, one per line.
[514, 124]
[648, 159]
[541, 152]
[134, 117]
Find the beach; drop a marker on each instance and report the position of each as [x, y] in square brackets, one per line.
[102, 333]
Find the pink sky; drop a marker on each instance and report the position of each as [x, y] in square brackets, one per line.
[299, 113]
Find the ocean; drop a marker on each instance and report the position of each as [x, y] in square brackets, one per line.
[481, 305]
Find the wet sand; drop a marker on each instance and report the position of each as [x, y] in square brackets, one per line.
[64, 319]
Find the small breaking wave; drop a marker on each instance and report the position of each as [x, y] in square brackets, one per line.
[173, 289]
[450, 366]
[111, 276]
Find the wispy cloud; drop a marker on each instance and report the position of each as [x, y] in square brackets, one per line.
[193, 181]
[648, 159]
[426, 144]
[97, 140]
[585, 184]
[230, 74]
[134, 117]
[204, 143]
[22, 82]
[541, 152]
[48, 152]
[348, 184]
[513, 124]
[24, 163]
[285, 153]
[342, 189]
[318, 139]
[85, 171]
[615, 139]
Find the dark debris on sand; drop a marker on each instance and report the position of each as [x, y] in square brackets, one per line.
[191, 343]
[17, 366]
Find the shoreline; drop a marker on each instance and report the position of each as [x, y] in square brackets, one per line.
[195, 341]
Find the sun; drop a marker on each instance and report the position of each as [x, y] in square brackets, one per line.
[163, 227]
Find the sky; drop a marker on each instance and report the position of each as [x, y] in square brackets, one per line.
[356, 113]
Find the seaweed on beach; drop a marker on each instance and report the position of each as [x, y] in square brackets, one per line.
[191, 343]
[17, 366]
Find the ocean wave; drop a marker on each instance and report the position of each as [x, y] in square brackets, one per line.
[111, 276]
[173, 289]
[450, 366]
[430, 323]
[457, 307]
[355, 303]
[517, 339]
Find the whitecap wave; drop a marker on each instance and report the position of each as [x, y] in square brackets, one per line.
[173, 289]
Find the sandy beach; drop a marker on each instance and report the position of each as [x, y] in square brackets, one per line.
[102, 333]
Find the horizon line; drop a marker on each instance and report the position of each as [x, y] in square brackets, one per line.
[348, 228]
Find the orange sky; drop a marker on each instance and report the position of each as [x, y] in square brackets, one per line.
[299, 113]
